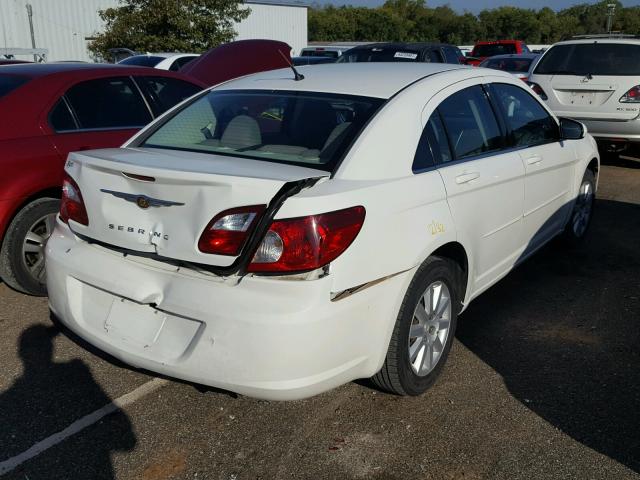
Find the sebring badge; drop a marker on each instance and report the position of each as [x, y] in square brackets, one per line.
[142, 201]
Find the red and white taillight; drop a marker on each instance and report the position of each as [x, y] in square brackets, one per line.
[307, 243]
[537, 89]
[227, 232]
[71, 205]
[632, 96]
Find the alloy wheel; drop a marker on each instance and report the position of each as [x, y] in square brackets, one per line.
[429, 330]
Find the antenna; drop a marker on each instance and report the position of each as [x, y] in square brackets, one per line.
[297, 76]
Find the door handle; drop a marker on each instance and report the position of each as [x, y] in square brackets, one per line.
[467, 177]
[534, 160]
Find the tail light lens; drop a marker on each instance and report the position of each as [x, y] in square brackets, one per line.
[306, 243]
[537, 89]
[227, 232]
[72, 206]
[632, 96]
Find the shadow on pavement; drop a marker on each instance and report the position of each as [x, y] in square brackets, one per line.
[46, 399]
[563, 331]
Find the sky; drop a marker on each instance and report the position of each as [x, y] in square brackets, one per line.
[475, 6]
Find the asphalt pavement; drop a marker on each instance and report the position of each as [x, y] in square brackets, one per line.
[543, 382]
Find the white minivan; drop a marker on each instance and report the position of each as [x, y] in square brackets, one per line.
[279, 235]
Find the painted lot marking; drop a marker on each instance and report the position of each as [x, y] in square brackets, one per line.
[82, 423]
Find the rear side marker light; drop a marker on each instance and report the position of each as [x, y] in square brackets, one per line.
[227, 232]
[537, 89]
[72, 205]
[632, 96]
[307, 243]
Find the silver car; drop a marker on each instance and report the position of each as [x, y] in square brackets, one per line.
[517, 64]
[595, 80]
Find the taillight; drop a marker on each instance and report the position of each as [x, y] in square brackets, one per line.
[537, 89]
[306, 243]
[632, 96]
[72, 206]
[227, 232]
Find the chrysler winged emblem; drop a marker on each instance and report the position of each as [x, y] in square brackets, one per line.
[142, 201]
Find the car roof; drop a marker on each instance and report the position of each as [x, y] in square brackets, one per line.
[163, 54]
[368, 79]
[403, 45]
[630, 41]
[36, 70]
[528, 56]
[494, 42]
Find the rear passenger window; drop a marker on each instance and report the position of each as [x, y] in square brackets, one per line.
[108, 103]
[451, 55]
[433, 146]
[528, 122]
[164, 92]
[435, 56]
[60, 117]
[470, 122]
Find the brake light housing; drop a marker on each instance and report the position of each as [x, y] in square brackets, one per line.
[72, 205]
[227, 232]
[537, 89]
[302, 244]
[632, 96]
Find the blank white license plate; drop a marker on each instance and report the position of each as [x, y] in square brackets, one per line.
[134, 323]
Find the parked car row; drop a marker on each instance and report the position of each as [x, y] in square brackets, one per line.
[49, 110]
[230, 241]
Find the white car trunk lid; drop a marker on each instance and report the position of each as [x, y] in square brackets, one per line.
[166, 213]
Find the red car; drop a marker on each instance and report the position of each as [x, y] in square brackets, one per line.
[483, 50]
[47, 111]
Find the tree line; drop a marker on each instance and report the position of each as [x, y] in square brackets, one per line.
[414, 21]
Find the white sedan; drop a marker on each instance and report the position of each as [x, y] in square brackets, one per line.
[163, 61]
[279, 236]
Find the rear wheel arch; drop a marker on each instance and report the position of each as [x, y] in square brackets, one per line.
[51, 192]
[594, 166]
[456, 252]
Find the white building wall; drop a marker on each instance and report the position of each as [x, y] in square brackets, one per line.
[62, 25]
[275, 22]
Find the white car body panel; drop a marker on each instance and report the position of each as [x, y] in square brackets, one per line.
[288, 337]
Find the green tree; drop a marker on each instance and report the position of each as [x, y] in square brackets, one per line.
[414, 21]
[168, 25]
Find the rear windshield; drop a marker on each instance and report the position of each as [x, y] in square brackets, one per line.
[379, 55]
[300, 128]
[591, 59]
[142, 60]
[509, 64]
[8, 83]
[491, 50]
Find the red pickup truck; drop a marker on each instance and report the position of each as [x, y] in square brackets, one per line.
[482, 50]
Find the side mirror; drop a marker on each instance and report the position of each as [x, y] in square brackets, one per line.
[571, 130]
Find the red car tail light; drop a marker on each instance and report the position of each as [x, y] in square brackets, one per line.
[632, 96]
[227, 231]
[306, 243]
[537, 89]
[72, 206]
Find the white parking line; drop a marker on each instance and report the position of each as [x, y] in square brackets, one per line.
[82, 423]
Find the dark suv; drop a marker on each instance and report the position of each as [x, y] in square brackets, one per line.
[403, 52]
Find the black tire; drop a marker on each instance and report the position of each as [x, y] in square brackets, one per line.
[397, 375]
[571, 234]
[13, 266]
